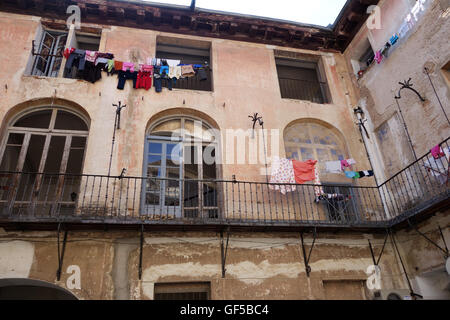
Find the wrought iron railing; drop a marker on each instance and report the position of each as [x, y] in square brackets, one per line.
[417, 187]
[314, 91]
[119, 199]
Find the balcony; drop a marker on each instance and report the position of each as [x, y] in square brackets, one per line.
[41, 199]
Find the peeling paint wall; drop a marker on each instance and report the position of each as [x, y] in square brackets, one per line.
[426, 45]
[244, 77]
[258, 266]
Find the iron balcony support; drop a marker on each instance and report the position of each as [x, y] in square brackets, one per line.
[307, 259]
[140, 251]
[445, 251]
[411, 291]
[61, 251]
[224, 251]
[377, 261]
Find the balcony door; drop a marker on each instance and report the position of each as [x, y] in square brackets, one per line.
[41, 162]
[180, 170]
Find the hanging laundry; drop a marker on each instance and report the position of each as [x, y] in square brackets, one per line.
[437, 152]
[282, 172]
[175, 72]
[101, 60]
[304, 171]
[92, 72]
[187, 71]
[118, 65]
[157, 82]
[350, 174]
[338, 166]
[75, 63]
[201, 73]
[385, 49]
[105, 55]
[318, 190]
[164, 71]
[128, 66]
[333, 196]
[333, 167]
[144, 80]
[67, 52]
[126, 75]
[110, 65]
[439, 167]
[347, 163]
[393, 40]
[147, 68]
[91, 56]
[378, 57]
[368, 173]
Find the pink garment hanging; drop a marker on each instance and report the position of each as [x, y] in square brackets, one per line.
[437, 152]
[378, 57]
[344, 164]
[146, 68]
[128, 65]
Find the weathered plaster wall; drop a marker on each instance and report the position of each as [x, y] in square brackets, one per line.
[425, 45]
[244, 77]
[258, 266]
[425, 263]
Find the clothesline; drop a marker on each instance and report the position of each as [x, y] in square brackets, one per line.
[406, 26]
[88, 65]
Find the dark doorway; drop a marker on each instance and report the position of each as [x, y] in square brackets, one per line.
[28, 289]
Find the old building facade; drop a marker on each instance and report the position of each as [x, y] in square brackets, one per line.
[75, 222]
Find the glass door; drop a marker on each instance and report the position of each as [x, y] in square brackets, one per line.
[163, 185]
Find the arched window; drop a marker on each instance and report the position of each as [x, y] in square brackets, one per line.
[306, 139]
[49, 141]
[179, 151]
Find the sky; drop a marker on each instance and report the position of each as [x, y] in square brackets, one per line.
[317, 12]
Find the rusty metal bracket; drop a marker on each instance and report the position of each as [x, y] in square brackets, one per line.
[307, 259]
[445, 251]
[376, 262]
[411, 291]
[141, 251]
[119, 108]
[408, 85]
[61, 251]
[223, 252]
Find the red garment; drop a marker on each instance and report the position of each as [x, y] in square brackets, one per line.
[304, 171]
[144, 80]
[67, 52]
